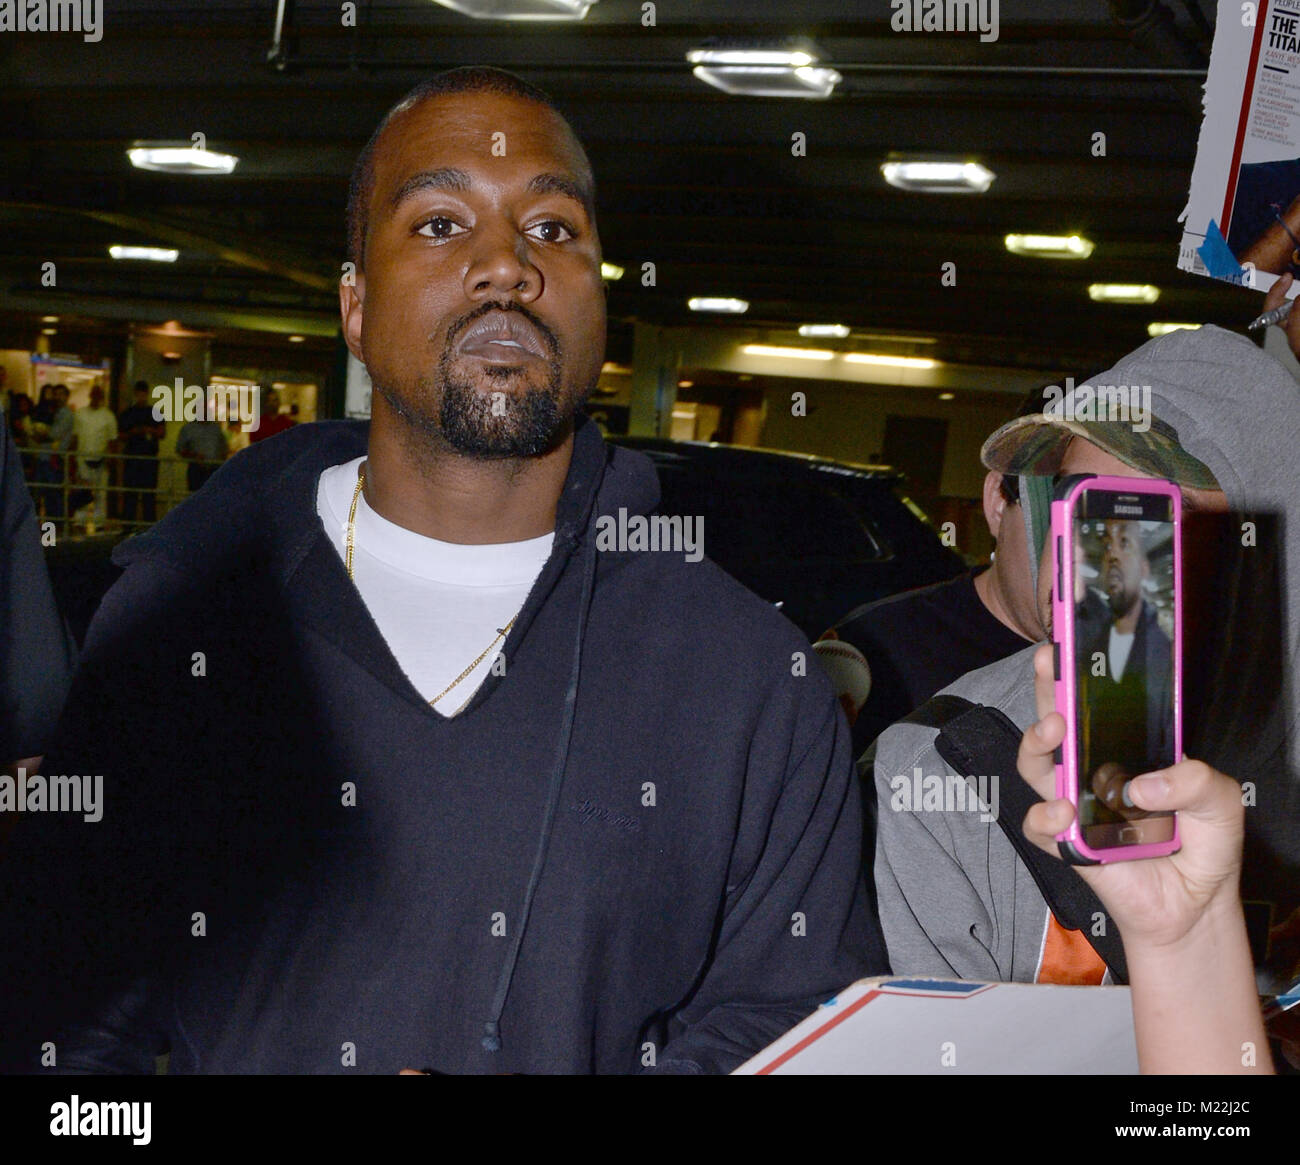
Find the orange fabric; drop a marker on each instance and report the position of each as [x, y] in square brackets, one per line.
[1068, 957]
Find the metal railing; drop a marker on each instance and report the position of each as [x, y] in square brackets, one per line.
[115, 492]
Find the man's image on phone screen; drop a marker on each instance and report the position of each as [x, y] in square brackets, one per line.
[1125, 654]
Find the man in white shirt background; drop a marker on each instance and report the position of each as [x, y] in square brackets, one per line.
[95, 428]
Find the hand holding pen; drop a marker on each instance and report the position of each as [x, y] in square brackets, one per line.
[1278, 310]
[1277, 316]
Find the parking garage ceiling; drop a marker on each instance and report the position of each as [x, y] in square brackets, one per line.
[704, 185]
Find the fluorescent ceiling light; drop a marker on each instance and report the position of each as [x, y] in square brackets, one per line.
[718, 303]
[787, 353]
[939, 177]
[783, 68]
[1123, 292]
[791, 58]
[49, 319]
[947, 396]
[296, 339]
[1050, 246]
[171, 158]
[611, 271]
[153, 254]
[895, 338]
[839, 331]
[811, 81]
[1163, 329]
[890, 361]
[49, 331]
[520, 9]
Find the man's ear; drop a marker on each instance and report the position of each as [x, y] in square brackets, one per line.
[994, 502]
[352, 291]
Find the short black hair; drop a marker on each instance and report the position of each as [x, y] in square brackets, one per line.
[470, 79]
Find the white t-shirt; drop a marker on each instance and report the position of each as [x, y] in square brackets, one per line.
[438, 604]
[95, 428]
[1120, 646]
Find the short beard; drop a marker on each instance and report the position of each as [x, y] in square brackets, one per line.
[1121, 604]
[528, 424]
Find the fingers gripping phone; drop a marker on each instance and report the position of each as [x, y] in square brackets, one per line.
[1117, 639]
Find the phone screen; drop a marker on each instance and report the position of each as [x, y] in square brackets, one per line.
[1124, 658]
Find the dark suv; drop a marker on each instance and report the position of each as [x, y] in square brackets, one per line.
[815, 537]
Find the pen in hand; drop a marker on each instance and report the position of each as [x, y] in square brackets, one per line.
[1277, 316]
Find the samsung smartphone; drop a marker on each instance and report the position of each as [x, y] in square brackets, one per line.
[1117, 636]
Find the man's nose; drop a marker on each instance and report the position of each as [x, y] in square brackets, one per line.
[501, 265]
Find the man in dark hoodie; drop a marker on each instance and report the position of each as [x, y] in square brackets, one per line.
[403, 766]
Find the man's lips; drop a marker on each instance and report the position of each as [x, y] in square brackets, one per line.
[502, 337]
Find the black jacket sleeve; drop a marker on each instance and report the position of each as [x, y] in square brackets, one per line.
[86, 897]
[797, 926]
[36, 653]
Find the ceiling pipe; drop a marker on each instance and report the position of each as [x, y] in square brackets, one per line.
[1154, 31]
[275, 261]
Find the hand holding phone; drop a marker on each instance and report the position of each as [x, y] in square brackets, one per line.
[1117, 638]
[1193, 987]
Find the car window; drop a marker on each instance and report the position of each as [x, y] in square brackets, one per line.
[749, 518]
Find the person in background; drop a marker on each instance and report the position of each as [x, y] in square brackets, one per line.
[236, 438]
[271, 421]
[140, 477]
[203, 445]
[20, 416]
[920, 641]
[95, 429]
[51, 429]
[44, 409]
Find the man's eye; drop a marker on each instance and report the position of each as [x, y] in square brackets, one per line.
[441, 228]
[552, 231]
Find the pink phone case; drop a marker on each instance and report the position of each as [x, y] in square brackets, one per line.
[1071, 843]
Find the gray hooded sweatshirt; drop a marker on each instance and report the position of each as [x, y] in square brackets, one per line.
[954, 898]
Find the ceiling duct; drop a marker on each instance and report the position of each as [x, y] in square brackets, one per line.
[1157, 35]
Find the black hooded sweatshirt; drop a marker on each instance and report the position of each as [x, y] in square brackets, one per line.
[638, 847]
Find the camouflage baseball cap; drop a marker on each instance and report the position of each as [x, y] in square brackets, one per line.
[1034, 445]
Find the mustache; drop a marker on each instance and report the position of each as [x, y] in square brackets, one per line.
[466, 321]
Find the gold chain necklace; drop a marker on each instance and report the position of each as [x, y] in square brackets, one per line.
[501, 632]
